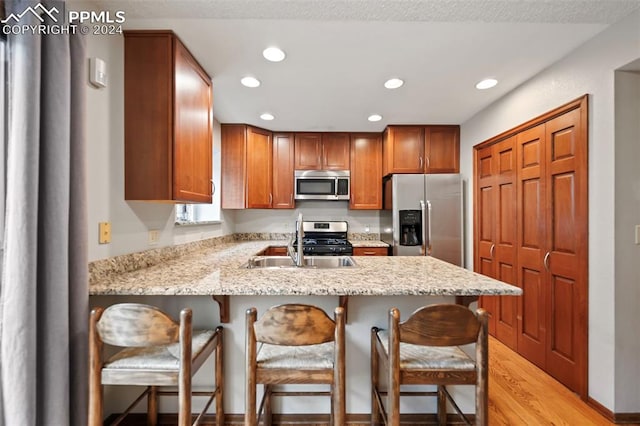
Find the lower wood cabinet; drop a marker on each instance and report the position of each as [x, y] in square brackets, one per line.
[370, 251]
[276, 251]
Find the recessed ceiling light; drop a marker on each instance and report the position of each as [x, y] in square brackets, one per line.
[375, 117]
[273, 54]
[267, 117]
[250, 82]
[487, 83]
[393, 83]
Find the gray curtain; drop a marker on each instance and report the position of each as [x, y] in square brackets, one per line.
[44, 290]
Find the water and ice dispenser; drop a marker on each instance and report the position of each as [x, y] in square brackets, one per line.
[410, 228]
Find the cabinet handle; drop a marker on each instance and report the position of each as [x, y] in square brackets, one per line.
[493, 247]
[291, 197]
[420, 158]
[546, 261]
[213, 187]
[270, 199]
[369, 253]
[428, 162]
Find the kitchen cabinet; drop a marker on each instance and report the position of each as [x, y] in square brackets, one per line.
[495, 245]
[167, 120]
[370, 251]
[283, 169]
[421, 149]
[277, 251]
[322, 151]
[366, 171]
[539, 242]
[257, 168]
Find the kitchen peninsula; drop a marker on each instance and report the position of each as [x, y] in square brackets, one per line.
[373, 286]
[219, 271]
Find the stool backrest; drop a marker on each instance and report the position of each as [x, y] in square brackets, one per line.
[137, 325]
[440, 325]
[294, 325]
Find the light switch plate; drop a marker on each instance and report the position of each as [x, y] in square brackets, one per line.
[104, 232]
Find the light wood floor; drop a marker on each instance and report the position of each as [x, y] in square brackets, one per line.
[520, 394]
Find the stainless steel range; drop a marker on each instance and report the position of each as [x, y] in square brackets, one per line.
[325, 239]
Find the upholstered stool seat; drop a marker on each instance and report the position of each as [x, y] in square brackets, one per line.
[294, 344]
[425, 350]
[156, 352]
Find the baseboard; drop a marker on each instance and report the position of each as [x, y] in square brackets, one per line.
[617, 418]
[139, 419]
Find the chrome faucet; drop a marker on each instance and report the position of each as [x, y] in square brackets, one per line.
[298, 258]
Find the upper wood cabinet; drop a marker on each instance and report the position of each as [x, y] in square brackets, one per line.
[257, 168]
[168, 120]
[283, 168]
[322, 151]
[366, 171]
[421, 149]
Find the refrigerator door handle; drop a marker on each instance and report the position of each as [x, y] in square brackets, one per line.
[429, 227]
[423, 211]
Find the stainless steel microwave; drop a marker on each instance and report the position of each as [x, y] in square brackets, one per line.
[322, 184]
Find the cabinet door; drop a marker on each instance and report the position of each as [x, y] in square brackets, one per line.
[485, 226]
[308, 151]
[504, 153]
[233, 153]
[192, 130]
[370, 251]
[531, 241]
[283, 168]
[366, 172]
[259, 169]
[495, 240]
[403, 149]
[566, 244]
[442, 149]
[335, 151]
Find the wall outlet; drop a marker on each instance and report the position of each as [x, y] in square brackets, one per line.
[104, 232]
[638, 234]
[154, 236]
[367, 229]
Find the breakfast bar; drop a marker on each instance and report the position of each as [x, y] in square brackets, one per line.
[222, 272]
[371, 287]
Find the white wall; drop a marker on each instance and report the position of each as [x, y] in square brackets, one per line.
[130, 221]
[627, 216]
[588, 69]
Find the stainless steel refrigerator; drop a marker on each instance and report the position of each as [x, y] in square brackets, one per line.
[422, 216]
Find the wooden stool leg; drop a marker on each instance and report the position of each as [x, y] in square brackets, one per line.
[375, 408]
[152, 406]
[442, 406]
[219, 380]
[268, 412]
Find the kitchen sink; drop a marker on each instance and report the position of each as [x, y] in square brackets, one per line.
[319, 262]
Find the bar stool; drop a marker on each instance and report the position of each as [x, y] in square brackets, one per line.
[299, 344]
[157, 352]
[424, 350]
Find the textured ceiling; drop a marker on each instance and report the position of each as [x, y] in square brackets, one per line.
[539, 11]
[339, 53]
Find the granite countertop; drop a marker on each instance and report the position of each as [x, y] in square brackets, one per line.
[368, 243]
[218, 271]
